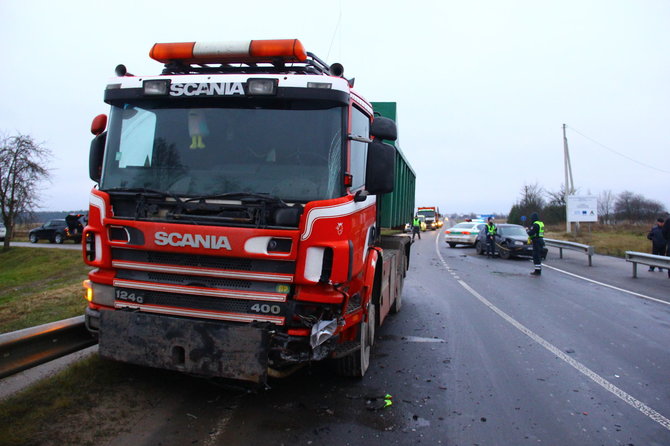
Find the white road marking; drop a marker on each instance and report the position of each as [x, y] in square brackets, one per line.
[637, 404]
[608, 286]
[420, 339]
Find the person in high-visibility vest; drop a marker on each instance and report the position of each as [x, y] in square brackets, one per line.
[416, 227]
[536, 236]
[491, 231]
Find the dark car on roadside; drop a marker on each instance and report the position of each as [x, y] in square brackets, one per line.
[58, 230]
[510, 240]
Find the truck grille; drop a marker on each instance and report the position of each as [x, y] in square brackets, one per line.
[210, 287]
[201, 265]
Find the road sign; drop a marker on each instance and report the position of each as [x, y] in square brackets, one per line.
[582, 208]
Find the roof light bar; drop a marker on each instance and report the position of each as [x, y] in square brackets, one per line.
[289, 50]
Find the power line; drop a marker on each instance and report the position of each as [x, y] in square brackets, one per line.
[617, 153]
[335, 32]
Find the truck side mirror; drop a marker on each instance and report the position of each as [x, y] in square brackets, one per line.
[380, 169]
[99, 124]
[95, 156]
[384, 128]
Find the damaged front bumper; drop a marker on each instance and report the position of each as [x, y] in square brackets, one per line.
[192, 346]
[247, 352]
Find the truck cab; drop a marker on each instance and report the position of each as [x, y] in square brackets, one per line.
[234, 227]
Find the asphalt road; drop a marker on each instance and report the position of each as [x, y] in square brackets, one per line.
[45, 244]
[481, 353]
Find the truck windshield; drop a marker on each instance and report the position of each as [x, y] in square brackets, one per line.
[293, 154]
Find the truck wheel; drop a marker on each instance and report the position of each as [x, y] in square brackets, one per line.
[33, 238]
[397, 303]
[58, 238]
[478, 248]
[357, 363]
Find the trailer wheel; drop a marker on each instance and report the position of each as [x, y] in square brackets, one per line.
[397, 303]
[357, 363]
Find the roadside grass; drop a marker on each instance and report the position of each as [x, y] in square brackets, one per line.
[612, 240]
[39, 285]
[74, 408]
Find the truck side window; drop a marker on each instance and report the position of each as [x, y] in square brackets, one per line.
[360, 126]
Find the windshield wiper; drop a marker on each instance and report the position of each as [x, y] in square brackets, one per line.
[242, 196]
[143, 191]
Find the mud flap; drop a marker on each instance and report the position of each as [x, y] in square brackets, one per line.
[200, 347]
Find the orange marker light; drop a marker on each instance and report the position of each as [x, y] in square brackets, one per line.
[165, 52]
[288, 50]
[88, 290]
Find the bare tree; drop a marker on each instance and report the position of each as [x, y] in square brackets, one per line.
[531, 201]
[22, 167]
[635, 208]
[557, 198]
[605, 206]
[531, 197]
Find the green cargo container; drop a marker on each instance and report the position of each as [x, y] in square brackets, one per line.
[397, 208]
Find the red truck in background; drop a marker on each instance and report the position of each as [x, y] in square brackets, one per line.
[235, 229]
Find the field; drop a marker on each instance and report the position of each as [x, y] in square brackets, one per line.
[40, 285]
[612, 240]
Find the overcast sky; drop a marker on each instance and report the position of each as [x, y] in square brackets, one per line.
[483, 87]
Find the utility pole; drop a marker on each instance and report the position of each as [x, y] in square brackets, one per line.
[569, 184]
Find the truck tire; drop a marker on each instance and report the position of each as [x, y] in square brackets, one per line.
[397, 303]
[357, 363]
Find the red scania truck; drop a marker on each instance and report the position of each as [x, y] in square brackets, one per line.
[235, 229]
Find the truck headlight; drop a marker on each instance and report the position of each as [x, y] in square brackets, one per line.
[264, 87]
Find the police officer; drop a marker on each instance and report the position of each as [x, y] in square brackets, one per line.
[491, 231]
[536, 236]
[416, 227]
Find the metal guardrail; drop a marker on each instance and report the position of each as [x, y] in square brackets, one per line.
[23, 349]
[646, 259]
[561, 245]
